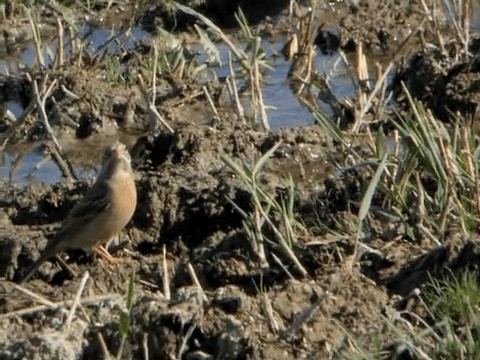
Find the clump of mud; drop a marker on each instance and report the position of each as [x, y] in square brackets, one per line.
[183, 186]
[444, 82]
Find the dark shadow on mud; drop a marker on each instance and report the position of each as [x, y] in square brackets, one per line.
[438, 264]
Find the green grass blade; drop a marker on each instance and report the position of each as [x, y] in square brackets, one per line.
[367, 198]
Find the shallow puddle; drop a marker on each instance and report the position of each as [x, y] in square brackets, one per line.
[284, 109]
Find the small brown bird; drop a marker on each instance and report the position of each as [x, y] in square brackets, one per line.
[104, 211]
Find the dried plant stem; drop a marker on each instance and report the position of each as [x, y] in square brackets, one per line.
[210, 101]
[60, 57]
[257, 89]
[60, 305]
[241, 56]
[76, 300]
[232, 86]
[41, 98]
[273, 324]
[37, 41]
[166, 280]
[103, 346]
[188, 335]
[145, 346]
[193, 276]
[153, 113]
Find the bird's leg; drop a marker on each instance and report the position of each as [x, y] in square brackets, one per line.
[103, 253]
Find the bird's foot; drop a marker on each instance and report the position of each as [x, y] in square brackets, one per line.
[105, 255]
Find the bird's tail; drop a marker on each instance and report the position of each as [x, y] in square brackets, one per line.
[47, 254]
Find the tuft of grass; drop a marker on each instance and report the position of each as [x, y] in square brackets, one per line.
[253, 60]
[454, 305]
[272, 221]
[116, 73]
[457, 298]
[124, 321]
[452, 331]
[442, 157]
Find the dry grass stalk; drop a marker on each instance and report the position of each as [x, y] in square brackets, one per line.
[154, 115]
[210, 101]
[431, 13]
[258, 97]
[60, 305]
[33, 296]
[183, 347]
[302, 66]
[41, 97]
[103, 346]
[166, 279]
[273, 324]
[282, 266]
[233, 90]
[76, 300]
[193, 276]
[145, 346]
[37, 40]
[240, 55]
[283, 243]
[60, 56]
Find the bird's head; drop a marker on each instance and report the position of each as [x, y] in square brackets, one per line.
[116, 157]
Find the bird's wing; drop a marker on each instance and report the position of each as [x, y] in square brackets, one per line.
[94, 202]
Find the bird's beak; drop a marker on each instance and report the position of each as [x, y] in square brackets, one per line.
[119, 151]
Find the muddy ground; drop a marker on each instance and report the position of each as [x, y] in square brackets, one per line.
[242, 310]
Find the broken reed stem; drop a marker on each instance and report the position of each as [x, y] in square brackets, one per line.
[166, 280]
[379, 84]
[59, 61]
[210, 101]
[122, 345]
[253, 107]
[73, 42]
[442, 220]
[62, 164]
[183, 346]
[241, 56]
[261, 104]
[273, 324]
[154, 75]
[76, 300]
[465, 22]
[103, 346]
[232, 82]
[153, 114]
[59, 305]
[258, 246]
[36, 40]
[433, 20]
[193, 276]
[420, 197]
[41, 99]
[283, 244]
[145, 346]
[33, 296]
[361, 67]
[282, 266]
